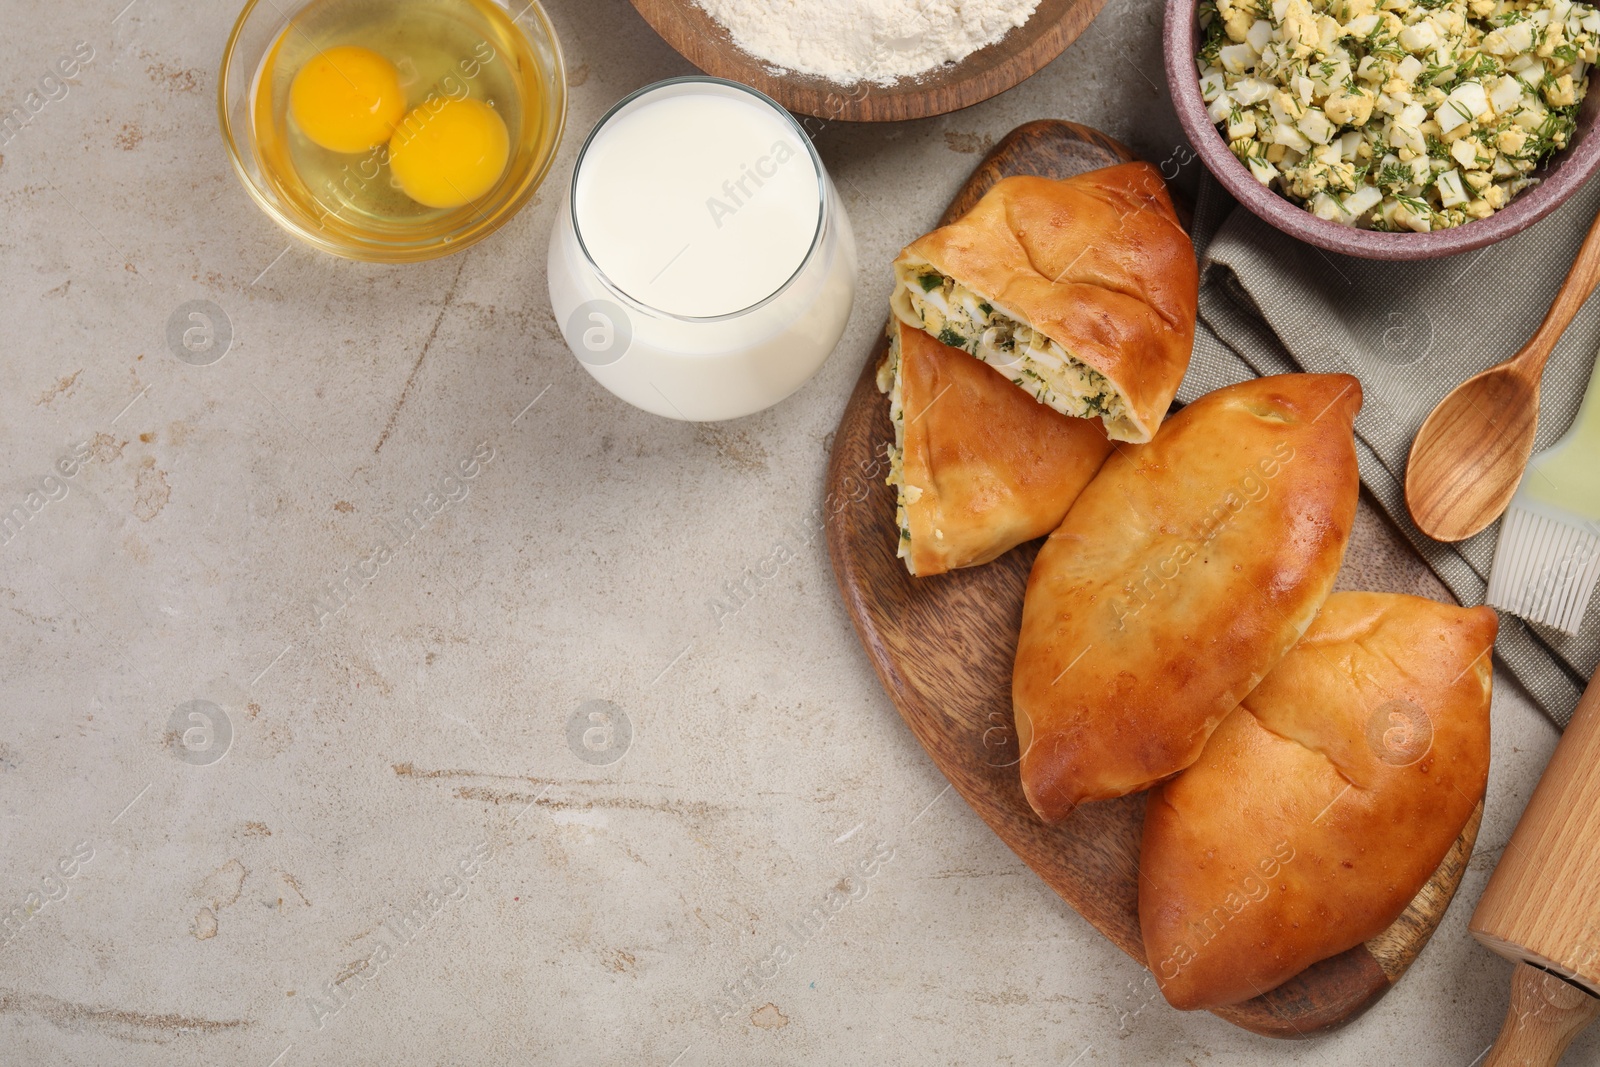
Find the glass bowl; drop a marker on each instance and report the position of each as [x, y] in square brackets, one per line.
[317, 218]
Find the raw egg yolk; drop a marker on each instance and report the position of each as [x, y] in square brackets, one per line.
[448, 152]
[347, 99]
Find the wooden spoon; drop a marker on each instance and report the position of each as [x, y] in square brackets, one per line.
[1469, 456]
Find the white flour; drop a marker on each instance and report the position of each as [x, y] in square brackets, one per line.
[849, 41]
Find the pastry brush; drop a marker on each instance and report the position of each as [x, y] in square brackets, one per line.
[1548, 556]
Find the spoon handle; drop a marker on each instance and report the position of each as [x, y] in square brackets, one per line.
[1581, 281]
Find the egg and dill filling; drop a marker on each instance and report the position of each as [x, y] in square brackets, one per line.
[1398, 115]
[889, 382]
[1040, 366]
[1078, 294]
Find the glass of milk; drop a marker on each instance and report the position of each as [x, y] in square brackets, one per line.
[703, 267]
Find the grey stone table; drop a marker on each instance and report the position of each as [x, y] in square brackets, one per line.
[245, 820]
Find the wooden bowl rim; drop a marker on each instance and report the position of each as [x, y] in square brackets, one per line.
[937, 92]
[1561, 176]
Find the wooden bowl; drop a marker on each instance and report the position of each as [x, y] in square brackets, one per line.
[1560, 176]
[987, 72]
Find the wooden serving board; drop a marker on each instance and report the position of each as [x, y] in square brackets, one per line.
[699, 38]
[943, 648]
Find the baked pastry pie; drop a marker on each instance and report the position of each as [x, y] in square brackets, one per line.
[1082, 292]
[978, 466]
[1324, 803]
[1179, 577]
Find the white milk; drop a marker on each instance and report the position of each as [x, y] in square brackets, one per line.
[698, 204]
[703, 267]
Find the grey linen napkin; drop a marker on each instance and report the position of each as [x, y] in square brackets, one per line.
[1411, 332]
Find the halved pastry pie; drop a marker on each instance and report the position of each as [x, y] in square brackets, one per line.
[979, 466]
[1179, 577]
[1324, 803]
[1082, 292]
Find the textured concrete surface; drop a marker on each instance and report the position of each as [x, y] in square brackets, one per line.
[376, 840]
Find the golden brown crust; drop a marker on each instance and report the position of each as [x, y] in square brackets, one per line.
[992, 466]
[1098, 263]
[1184, 571]
[1322, 805]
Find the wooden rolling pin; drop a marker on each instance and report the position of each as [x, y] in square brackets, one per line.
[1542, 905]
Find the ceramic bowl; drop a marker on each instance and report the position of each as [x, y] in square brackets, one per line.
[1559, 177]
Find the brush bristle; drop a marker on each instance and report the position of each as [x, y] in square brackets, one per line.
[1545, 568]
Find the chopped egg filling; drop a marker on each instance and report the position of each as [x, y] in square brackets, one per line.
[1396, 115]
[889, 382]
[1039, 365]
